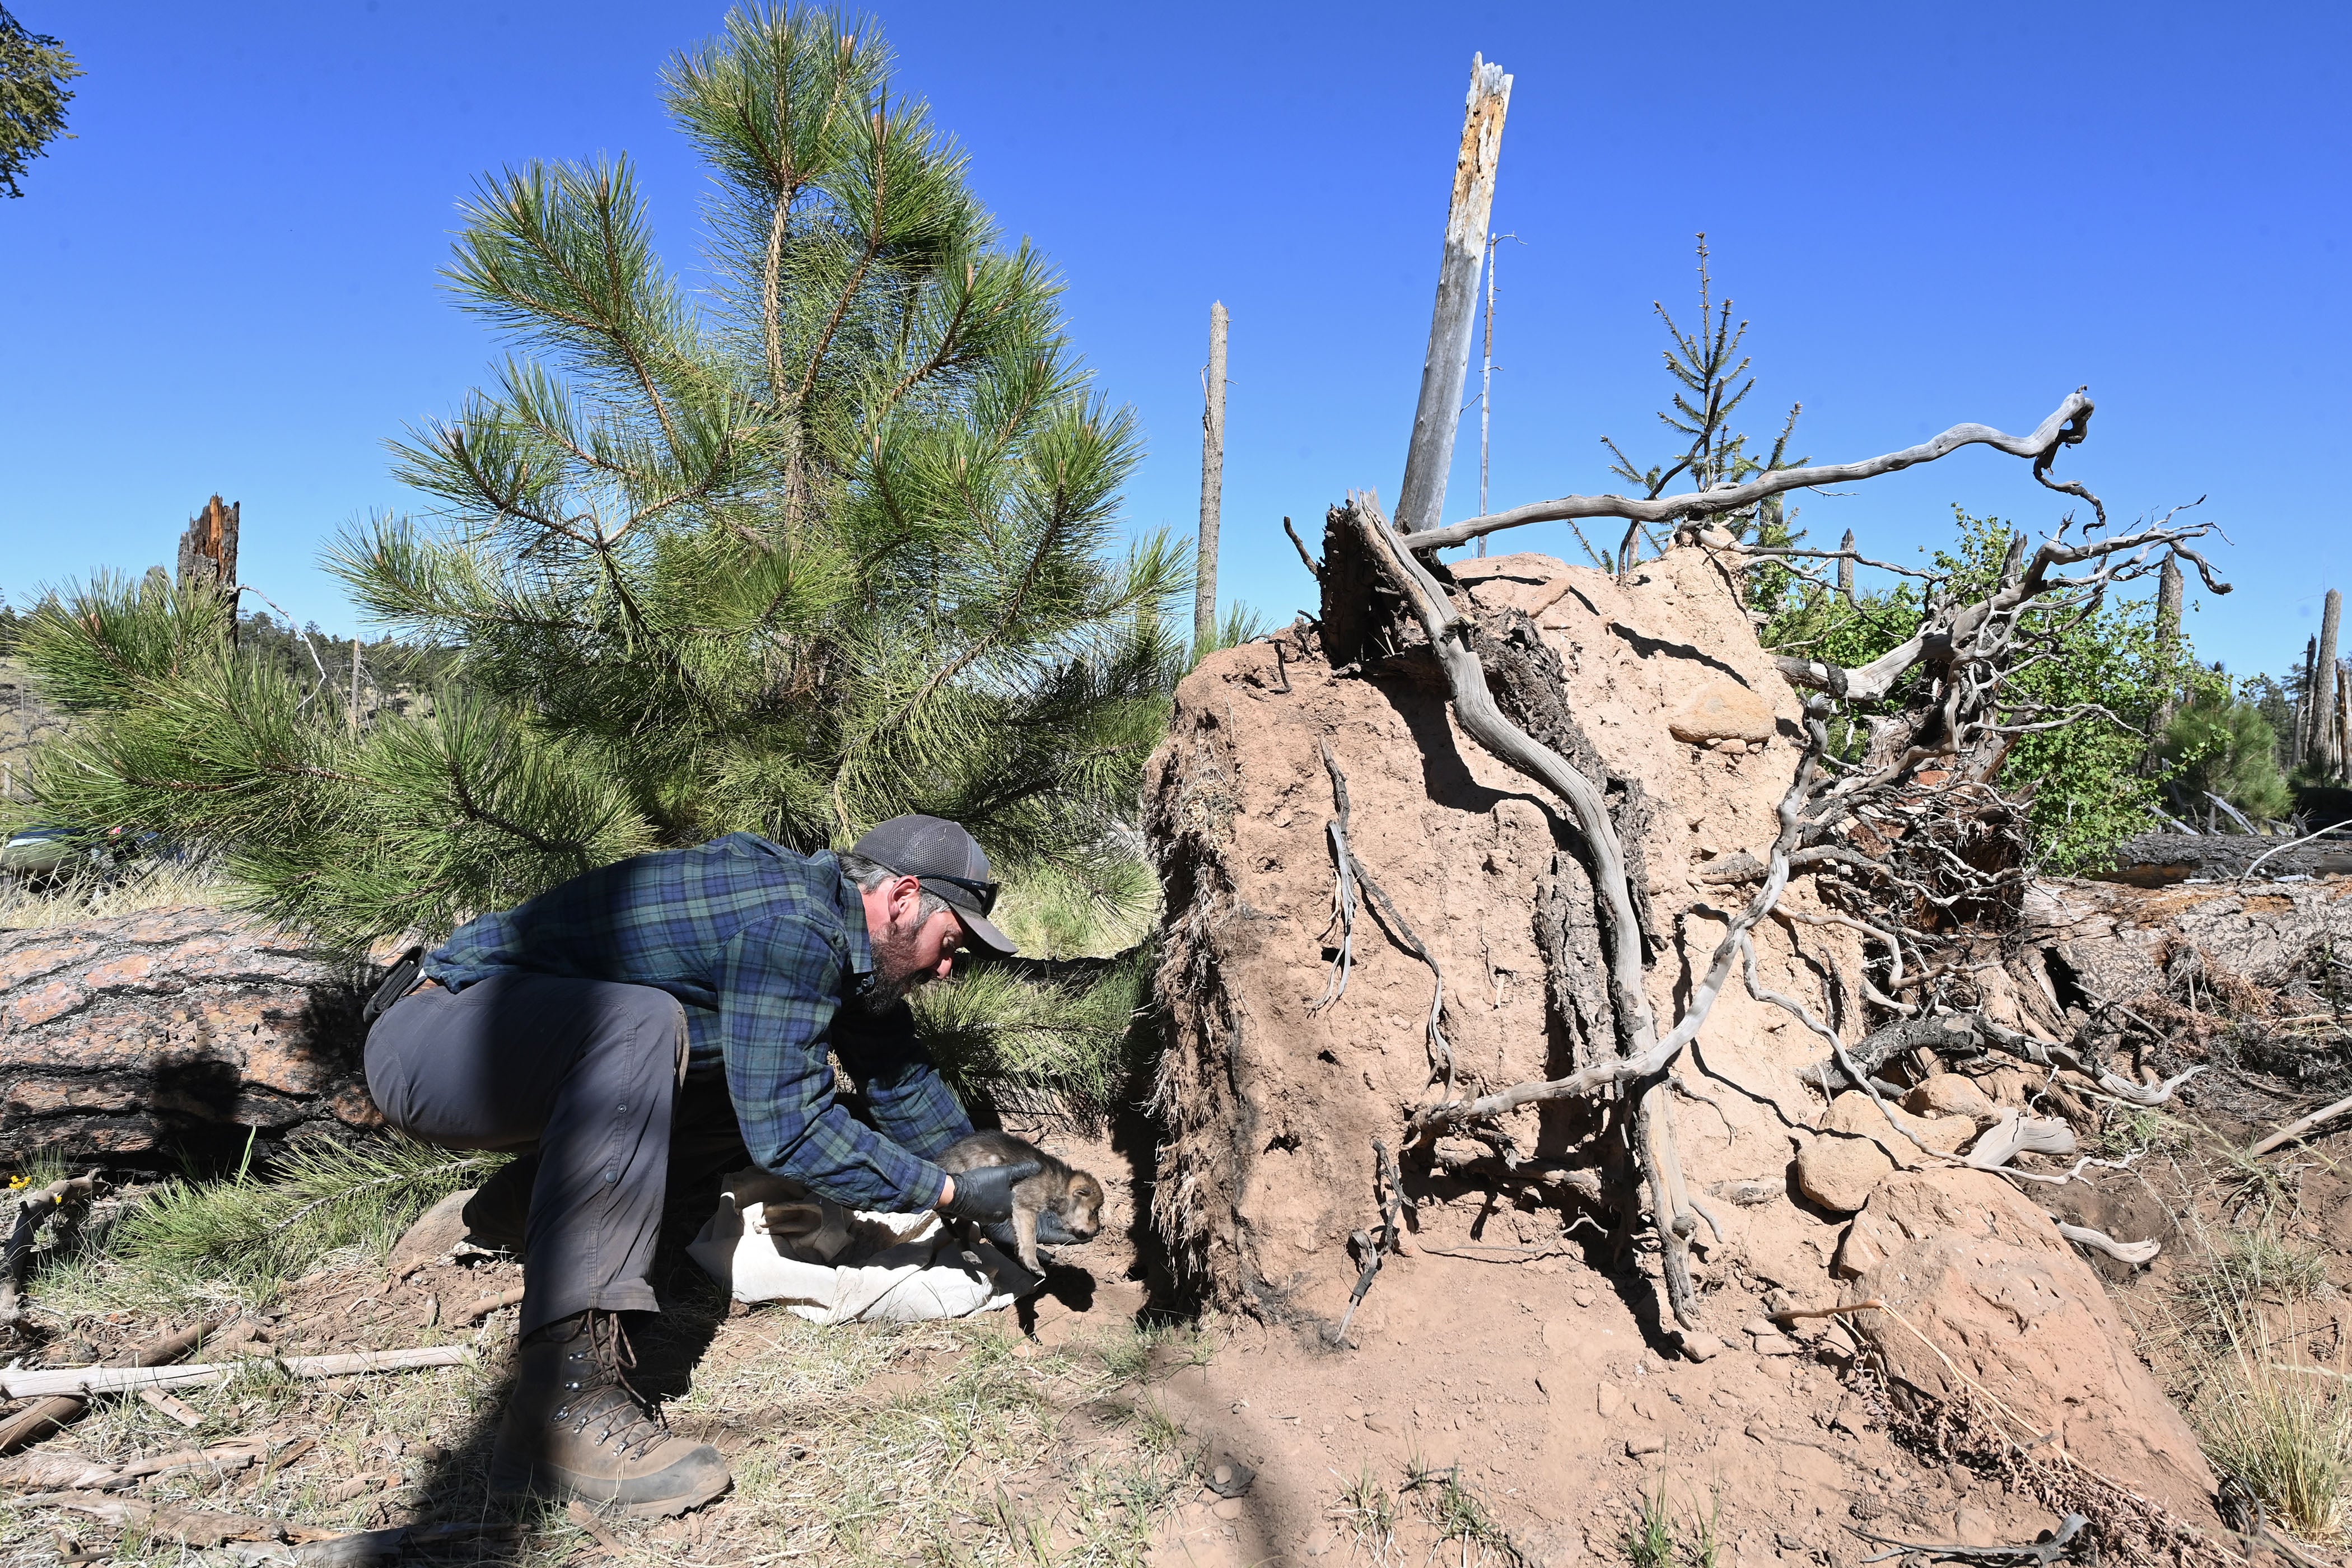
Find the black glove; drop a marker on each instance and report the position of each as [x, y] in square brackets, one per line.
[986, 1194]
[1051, 1232]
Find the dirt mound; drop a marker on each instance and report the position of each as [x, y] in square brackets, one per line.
[1274, 1103]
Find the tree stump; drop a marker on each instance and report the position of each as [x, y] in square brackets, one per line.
[174, 1033]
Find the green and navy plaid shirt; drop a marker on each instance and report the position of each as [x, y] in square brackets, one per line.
[767, 950]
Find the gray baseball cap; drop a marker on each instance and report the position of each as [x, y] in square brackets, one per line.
[948, 861]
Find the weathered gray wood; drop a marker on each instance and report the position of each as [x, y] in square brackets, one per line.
[1213, 482]
[2168, 585]
[1486, 386]
[82, 1381]
[2065, 426]
[2294, 1130]
[2168, 595]
[2343, 770]
[1421, 502]
[1845, 568]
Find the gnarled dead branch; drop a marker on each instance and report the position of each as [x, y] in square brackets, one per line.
[2066, 426]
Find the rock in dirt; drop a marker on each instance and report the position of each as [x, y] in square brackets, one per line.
[1980, 1271]
[1953, 1094]
[1857, 1113]
[1839, 1173]
[184, 1029]
[437, 1232]
[1723, 711]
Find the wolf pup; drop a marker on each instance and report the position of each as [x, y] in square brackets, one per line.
[1072, 1200]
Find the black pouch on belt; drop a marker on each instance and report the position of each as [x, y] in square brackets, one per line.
[398, 982]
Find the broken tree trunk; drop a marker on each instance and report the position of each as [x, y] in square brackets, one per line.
[1421, 502]
[1213, 482]
[2327, 748]
[208, 552]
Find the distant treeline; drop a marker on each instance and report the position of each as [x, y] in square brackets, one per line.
[384, 664]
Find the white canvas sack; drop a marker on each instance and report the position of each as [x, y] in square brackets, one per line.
[773, 1240]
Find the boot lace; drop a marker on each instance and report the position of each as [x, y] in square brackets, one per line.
[602, 1404]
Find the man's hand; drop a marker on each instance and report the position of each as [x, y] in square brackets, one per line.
[986, 1194]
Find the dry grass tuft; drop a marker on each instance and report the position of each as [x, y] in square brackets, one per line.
[102, 893]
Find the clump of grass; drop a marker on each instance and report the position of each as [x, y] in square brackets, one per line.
[2142, 1127]
[954, 1470]
[1453, 1510]
[2280, 1425]
[1651, 1542]
[251, 1231]
[1126, 1353]
[1158, 1432]
[1658, 1540]
[1370, 1514]
[2286, 1431]
[2251, 1266]
[1116, 1506]
[101, 891]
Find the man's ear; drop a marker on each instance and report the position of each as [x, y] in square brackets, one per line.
[905, 897]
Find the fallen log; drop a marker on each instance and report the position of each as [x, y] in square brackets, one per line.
[193, 1029]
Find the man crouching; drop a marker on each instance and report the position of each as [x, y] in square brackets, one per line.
[651, 1024]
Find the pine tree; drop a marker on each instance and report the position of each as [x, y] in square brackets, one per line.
[33, 70]
[836, 545]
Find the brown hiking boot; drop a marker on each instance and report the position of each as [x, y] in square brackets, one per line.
[574, 1427]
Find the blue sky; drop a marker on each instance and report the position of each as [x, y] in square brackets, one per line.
[229, 280]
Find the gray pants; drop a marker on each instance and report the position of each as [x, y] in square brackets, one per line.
[583, 1079]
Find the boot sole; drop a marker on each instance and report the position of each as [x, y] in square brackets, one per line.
[556, 1484]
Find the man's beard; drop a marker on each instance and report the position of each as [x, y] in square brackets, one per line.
[896, 971]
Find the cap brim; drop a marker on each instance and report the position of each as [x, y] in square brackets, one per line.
[984, 931]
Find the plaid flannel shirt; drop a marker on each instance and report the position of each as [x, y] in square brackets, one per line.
[767, 950]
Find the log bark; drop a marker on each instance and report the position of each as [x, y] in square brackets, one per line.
[174, 1031]
[2163, 859]
[1420, 501]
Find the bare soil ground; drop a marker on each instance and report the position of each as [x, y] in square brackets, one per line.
[1085, 1428]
